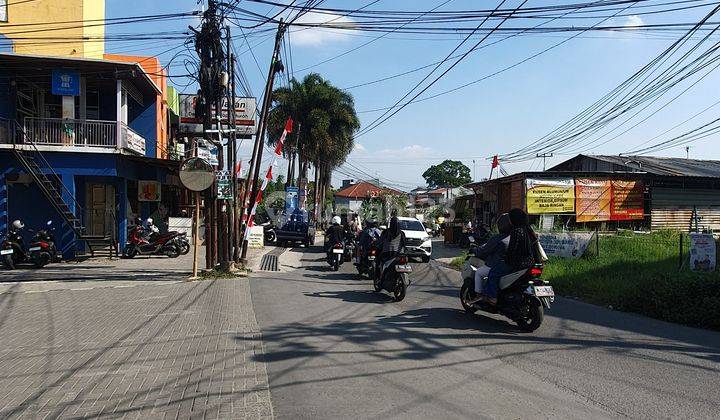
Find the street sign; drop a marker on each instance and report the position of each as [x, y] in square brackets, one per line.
[196, 174]
[224, 188]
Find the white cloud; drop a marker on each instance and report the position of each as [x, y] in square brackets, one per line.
[634, 20]
[359, 148]
[313, 37]
[407, 152]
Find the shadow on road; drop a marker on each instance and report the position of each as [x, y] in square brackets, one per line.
[354, 296]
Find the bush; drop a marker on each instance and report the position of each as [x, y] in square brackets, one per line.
[639, 273]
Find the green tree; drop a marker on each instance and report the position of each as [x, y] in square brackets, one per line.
[326, 120]
[450, 173]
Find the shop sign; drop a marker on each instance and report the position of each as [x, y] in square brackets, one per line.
[134, 142]
[702, 252]
[550, 196]
[148, 191]
[3, 11]
[209, 152]
[65, 83]
[592, 199]
[565, 244]
[627, 200]
[245, 113]
[224, 187]
[257, 237]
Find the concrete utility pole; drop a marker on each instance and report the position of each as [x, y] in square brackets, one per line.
[275, 66]
[544, 156]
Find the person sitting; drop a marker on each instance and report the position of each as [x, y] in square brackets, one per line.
[520, 253]
[367, 236]
[493, 251]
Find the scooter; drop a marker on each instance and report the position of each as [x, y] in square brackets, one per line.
[394, 277]
[522, 295]
[12, 249]
[350, 247]
[335, 256]
[367, 264]
[42, 249]
[157, 244]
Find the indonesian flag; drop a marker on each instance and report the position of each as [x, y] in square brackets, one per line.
[495, 162]
[286, 131]
[238, 169]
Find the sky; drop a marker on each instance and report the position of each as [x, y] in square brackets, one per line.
[498, 115]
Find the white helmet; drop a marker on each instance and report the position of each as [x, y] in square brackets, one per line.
[149, 221]
[336, 220]
[18, 224]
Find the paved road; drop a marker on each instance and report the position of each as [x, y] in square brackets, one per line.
[335, 349]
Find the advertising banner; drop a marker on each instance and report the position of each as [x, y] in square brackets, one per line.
[702, 252]
[224, 188]
[592, 199]
[291, 199]
[257, 237]
[627, 200]
[148, 191]
[550, 196]
[245, 113]
[565, 244]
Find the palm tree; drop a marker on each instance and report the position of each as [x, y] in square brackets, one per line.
[326, 119]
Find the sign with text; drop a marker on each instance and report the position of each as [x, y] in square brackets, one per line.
[65, 83]
[565, 244]
[702, 252]
[592, 199]
[291, 199]
[3, 11]
[257, 237]
[245, 113]
[550, 195]
[224, 188]
[627, 200]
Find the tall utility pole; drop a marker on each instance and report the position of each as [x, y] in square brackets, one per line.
[544, 156]
[275, 66]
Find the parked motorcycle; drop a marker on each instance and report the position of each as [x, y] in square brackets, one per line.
[158, 244]
[522, 295]
[394, 277]
[335, 256]
[269, 232]
[42, 249]
[182, 243]
[12, 249]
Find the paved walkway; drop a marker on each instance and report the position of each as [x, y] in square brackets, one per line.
[141, 344]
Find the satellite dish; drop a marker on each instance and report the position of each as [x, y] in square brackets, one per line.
[196, 174]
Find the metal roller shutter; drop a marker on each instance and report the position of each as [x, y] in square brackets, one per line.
[671, 208]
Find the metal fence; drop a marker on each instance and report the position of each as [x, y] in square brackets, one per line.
[69, 132]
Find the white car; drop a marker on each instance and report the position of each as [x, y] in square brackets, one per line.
[418, 242]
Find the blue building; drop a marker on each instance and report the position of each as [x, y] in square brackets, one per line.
[78, 146]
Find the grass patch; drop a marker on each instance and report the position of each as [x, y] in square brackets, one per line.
[639, 273]
[458, 262]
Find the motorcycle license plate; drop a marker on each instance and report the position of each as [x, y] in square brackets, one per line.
[371, 258]
[403, 268]
[544, 291]
[35, 248]
[6, 252]
[337, 251]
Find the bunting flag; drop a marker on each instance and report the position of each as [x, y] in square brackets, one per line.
[268, 178]
[238, 169]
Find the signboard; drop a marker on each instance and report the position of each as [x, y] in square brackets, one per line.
[209, 152]
[592, 199]
[550, 196]
[3, 11]
[291, 199]
[257, 237]
[565, 244]
[134, 142]
[65, 83]
[245, 113]
[627, 200]
[148, 191]
[196, 174]
[702, 252]
[224, 188]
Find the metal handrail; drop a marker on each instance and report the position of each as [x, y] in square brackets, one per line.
[67, 131]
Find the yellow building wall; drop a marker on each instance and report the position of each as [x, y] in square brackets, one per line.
[55, 27]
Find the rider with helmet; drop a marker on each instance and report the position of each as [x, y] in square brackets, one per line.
[335, 234]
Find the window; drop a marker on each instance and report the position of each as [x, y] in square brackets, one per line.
[410, 225]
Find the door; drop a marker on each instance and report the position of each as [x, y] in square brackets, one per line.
[100, 209]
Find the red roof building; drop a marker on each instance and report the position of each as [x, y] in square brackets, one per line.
[363, 190]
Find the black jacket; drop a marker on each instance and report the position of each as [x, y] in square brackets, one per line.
[335, 235]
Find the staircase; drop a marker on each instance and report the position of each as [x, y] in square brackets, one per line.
[99, 245]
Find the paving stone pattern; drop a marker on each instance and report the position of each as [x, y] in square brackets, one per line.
[164, 350]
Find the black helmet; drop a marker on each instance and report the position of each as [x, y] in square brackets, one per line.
[518, 217]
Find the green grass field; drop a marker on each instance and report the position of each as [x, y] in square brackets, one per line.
[639, 273]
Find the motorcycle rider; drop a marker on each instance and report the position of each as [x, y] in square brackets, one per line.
[392, 241]
[493, 251]
[521, 253]
[18, 225]
[335, 234]
[370, 233]
[150, 228]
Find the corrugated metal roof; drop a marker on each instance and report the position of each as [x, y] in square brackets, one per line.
[664, 166]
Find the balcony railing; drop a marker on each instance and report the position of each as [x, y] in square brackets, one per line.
[83, 133]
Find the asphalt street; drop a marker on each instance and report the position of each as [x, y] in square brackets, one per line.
[336, 349]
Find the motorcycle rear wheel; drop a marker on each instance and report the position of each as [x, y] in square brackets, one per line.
[465, 295]
[41, 260]
[400, 289]
[184, 247]
[533, 319]
[9, 262]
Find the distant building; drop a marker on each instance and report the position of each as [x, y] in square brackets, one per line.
[617, 191]
[351, 195]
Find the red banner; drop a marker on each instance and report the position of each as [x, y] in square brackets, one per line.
[627, 200]
[593, 199]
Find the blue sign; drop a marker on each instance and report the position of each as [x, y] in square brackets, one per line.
[291, 199]
[65, 83]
